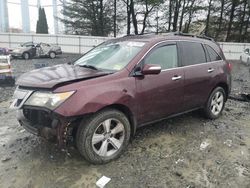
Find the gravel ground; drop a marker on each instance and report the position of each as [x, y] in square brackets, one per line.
[186, 151]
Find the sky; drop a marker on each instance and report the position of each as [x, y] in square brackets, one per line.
[15, 19]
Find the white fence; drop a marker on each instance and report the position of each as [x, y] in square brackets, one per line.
[233, 51]
[68, 43]
[81, 44]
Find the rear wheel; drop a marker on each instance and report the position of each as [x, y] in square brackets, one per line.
[52, 55]
[26, 55]
[103, 137]
[215, 103]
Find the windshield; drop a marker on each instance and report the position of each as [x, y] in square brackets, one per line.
[111, 56]
[27, 44]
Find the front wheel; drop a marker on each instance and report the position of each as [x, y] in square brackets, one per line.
[103, 137]
[26, 55]
[52, 55]
[215, 103]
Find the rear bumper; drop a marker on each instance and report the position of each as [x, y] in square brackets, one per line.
[59, 52]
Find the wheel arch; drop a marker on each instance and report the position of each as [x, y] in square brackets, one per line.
[120, 107]
[27, 53]
[127, 112]
[224, 86]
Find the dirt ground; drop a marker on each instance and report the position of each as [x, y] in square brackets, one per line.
[187, 151]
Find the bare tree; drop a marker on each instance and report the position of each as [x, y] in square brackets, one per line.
[208, 17]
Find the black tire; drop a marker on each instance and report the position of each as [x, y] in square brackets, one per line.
[26, 55]
[209, 112]
[52, 55]
[91, 125]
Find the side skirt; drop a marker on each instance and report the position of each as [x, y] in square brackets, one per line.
[168, 117]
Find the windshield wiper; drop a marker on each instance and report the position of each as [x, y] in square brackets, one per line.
[89, 67]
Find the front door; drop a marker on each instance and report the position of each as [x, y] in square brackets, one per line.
[160, 95]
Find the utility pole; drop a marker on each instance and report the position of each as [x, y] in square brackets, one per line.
[4, 18]
[55, 15]
[25, 16]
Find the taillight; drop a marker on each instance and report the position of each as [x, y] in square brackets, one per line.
[230, 66]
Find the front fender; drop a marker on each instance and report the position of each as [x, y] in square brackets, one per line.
[95, 97]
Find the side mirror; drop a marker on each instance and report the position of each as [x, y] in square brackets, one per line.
[151, 69]
[246, 51]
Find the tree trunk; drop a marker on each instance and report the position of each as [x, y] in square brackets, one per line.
[242, 22]
[231, 19]
[94, 29]
[128, 18]
[208, 17]
[247, 26]
[101, 19]
[182, 15]
[114, 18]
[134, 20]
[145, 18]
[176, 14]
[191, 11]
[170, 15]
[221, 17]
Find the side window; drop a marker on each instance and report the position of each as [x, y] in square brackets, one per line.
[193, 53]
[212, 54]
[165, 56]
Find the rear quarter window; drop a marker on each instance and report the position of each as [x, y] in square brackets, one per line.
[214, 56]
[193, 53]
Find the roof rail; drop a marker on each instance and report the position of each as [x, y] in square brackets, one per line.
[191, 35]
[178, 33]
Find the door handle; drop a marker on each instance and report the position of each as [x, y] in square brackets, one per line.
[176, 78]
[210, 70]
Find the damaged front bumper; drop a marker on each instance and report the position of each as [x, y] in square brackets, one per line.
[42, 121]
[16, 54]
[46, 124]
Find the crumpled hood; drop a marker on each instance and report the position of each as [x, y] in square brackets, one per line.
[49, 77]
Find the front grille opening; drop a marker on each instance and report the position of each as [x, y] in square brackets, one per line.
[37, 118]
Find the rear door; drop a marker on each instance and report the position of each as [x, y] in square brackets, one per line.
[160, 95]
[199, 74]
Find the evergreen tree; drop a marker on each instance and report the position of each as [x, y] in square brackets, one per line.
[42, 25]
[88, 17]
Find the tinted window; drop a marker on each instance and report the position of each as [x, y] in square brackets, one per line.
[193, 53]
[212, 54]
[165, 56]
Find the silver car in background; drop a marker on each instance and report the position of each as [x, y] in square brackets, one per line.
[29, 50]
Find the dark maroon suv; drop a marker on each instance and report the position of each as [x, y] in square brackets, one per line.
[100, 100]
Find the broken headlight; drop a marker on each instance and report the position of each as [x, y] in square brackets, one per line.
[48, 100]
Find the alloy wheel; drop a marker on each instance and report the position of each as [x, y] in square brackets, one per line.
[108, 137]
[217, 103]
[52, 55]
